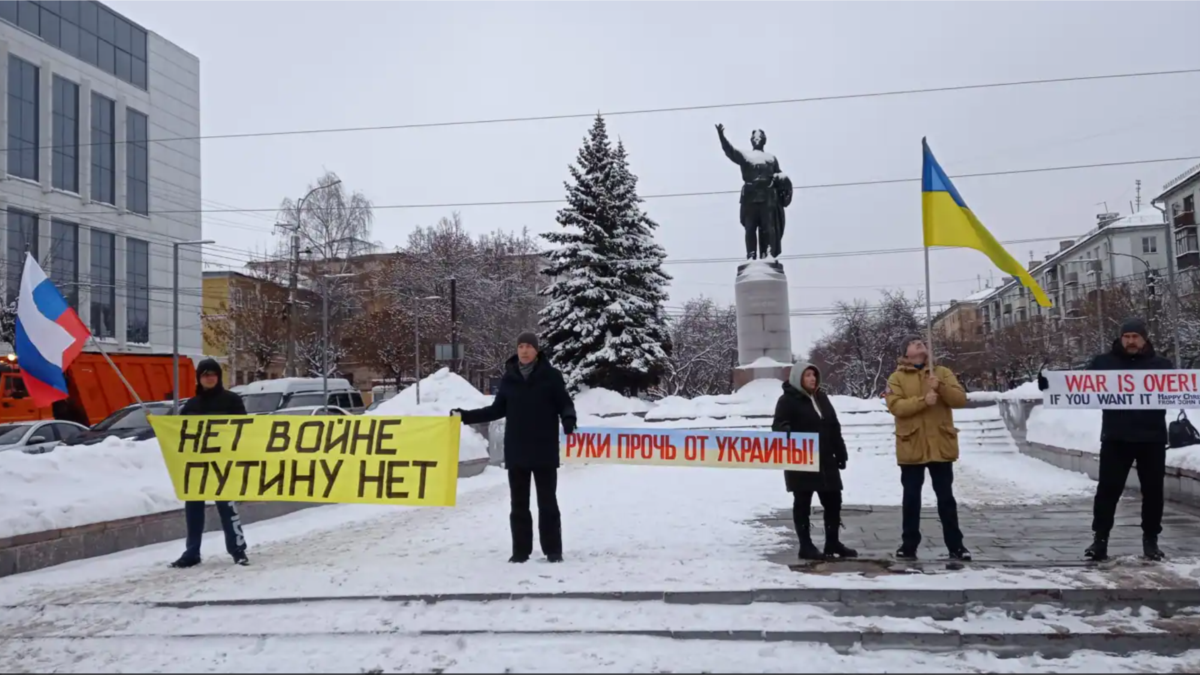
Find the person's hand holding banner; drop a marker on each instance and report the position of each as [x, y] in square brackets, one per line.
[341, 460]
[1121, 389]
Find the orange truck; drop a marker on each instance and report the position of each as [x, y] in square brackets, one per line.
[95, 389]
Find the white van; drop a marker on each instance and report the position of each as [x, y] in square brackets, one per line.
[267, 396]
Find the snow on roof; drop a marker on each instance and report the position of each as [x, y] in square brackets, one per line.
[1149, 216]
[979, 295]
[287, 384]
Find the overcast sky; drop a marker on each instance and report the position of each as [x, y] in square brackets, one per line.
[269, 66]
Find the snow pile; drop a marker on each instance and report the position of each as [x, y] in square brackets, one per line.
[1074, 429]
[79, 485]
[442, 392]
[1026, 392]
[756, 399]
[600, 401]
[764, 362]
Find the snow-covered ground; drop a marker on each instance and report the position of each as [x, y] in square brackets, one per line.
[442, 392]
[626, 528]
[78, 485]
[1080, 430]
[390, 652]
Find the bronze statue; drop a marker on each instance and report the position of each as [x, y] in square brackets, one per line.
[766, 192]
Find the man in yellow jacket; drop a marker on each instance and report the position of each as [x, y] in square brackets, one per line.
[922, 403]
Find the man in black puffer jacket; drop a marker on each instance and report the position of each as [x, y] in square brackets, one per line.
[212, 398]
[1126, 437]
[532, 400]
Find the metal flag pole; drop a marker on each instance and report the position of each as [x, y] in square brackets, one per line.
[118, 371]
[928, 312]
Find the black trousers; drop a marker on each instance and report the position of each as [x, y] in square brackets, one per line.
[941, 474]
[1116, 459]
[231, 522]
[831, 500]
[521, 520]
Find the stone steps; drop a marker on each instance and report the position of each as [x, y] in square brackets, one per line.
[1053, 622]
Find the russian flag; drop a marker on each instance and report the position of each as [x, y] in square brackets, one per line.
[49, 336]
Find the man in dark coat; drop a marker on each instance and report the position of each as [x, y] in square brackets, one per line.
[1126, 437]
[532, 399]
[212, 398]
[804, 408]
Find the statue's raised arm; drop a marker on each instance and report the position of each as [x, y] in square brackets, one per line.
[731, 152]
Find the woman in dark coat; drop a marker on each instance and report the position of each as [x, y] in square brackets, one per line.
[804, 408]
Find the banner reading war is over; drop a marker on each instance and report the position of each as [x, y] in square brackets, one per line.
[341, 460]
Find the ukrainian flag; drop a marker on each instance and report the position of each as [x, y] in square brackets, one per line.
[949, 222]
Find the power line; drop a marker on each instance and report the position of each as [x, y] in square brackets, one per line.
[673, 109]
[675, 195]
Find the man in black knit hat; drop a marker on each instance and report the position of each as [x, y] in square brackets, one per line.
[532, 400]
[1126, 437]
[212, 398]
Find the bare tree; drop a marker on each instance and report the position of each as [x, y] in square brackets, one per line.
[334, 225]
[859, 355]
[251, 326]
[705, 350]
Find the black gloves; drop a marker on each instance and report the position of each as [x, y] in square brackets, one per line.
[456, 411]
[568, 425]
[842, 463]
[1043, 383]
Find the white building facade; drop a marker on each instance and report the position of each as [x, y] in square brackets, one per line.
[91, 183]
[1120, 249]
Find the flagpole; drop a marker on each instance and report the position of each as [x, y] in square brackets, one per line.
[121, 375]
[928, 312]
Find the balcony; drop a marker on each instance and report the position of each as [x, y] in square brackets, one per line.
[1185, 219]
[1052, 286]
[1072, 278]
[1055, 313]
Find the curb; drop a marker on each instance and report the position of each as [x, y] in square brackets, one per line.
[1081, 598]
[1049, 645]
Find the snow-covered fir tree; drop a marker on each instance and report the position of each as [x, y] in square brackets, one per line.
[604, 324]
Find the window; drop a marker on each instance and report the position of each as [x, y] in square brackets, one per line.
[104, 284]
[1189, 203]
[65, 164]
[22, 238]
[86, 30]
[104, 150]
[64, 259]
[137, 162]
[22, 118]
[1185, 241]
[1149, 244]
[137, 285]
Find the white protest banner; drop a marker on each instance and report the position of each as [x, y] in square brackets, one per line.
[1122, 389]
[714, 448]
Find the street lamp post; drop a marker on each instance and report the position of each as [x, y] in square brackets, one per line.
[325, 335]
[294, 282]
[175, 316]
[417, 339]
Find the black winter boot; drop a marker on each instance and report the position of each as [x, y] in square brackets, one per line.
[906, 553]
[808, 550]
[834, 548]
[1150, 549]
[1098, 550]
[185, 562]
[961, 553]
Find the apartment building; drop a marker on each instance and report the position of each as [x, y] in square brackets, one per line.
[93, 184]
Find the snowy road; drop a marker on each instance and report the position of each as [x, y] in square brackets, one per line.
[625, 529]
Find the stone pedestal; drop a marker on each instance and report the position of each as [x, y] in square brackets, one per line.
[764, 326]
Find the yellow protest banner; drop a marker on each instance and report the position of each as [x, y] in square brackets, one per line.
[337, 460]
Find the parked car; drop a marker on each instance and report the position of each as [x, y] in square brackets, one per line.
[37, 437]
[268, 396]
[310, 410]
[129, 423]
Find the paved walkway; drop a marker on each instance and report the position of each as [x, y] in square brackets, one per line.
[1041, 535]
